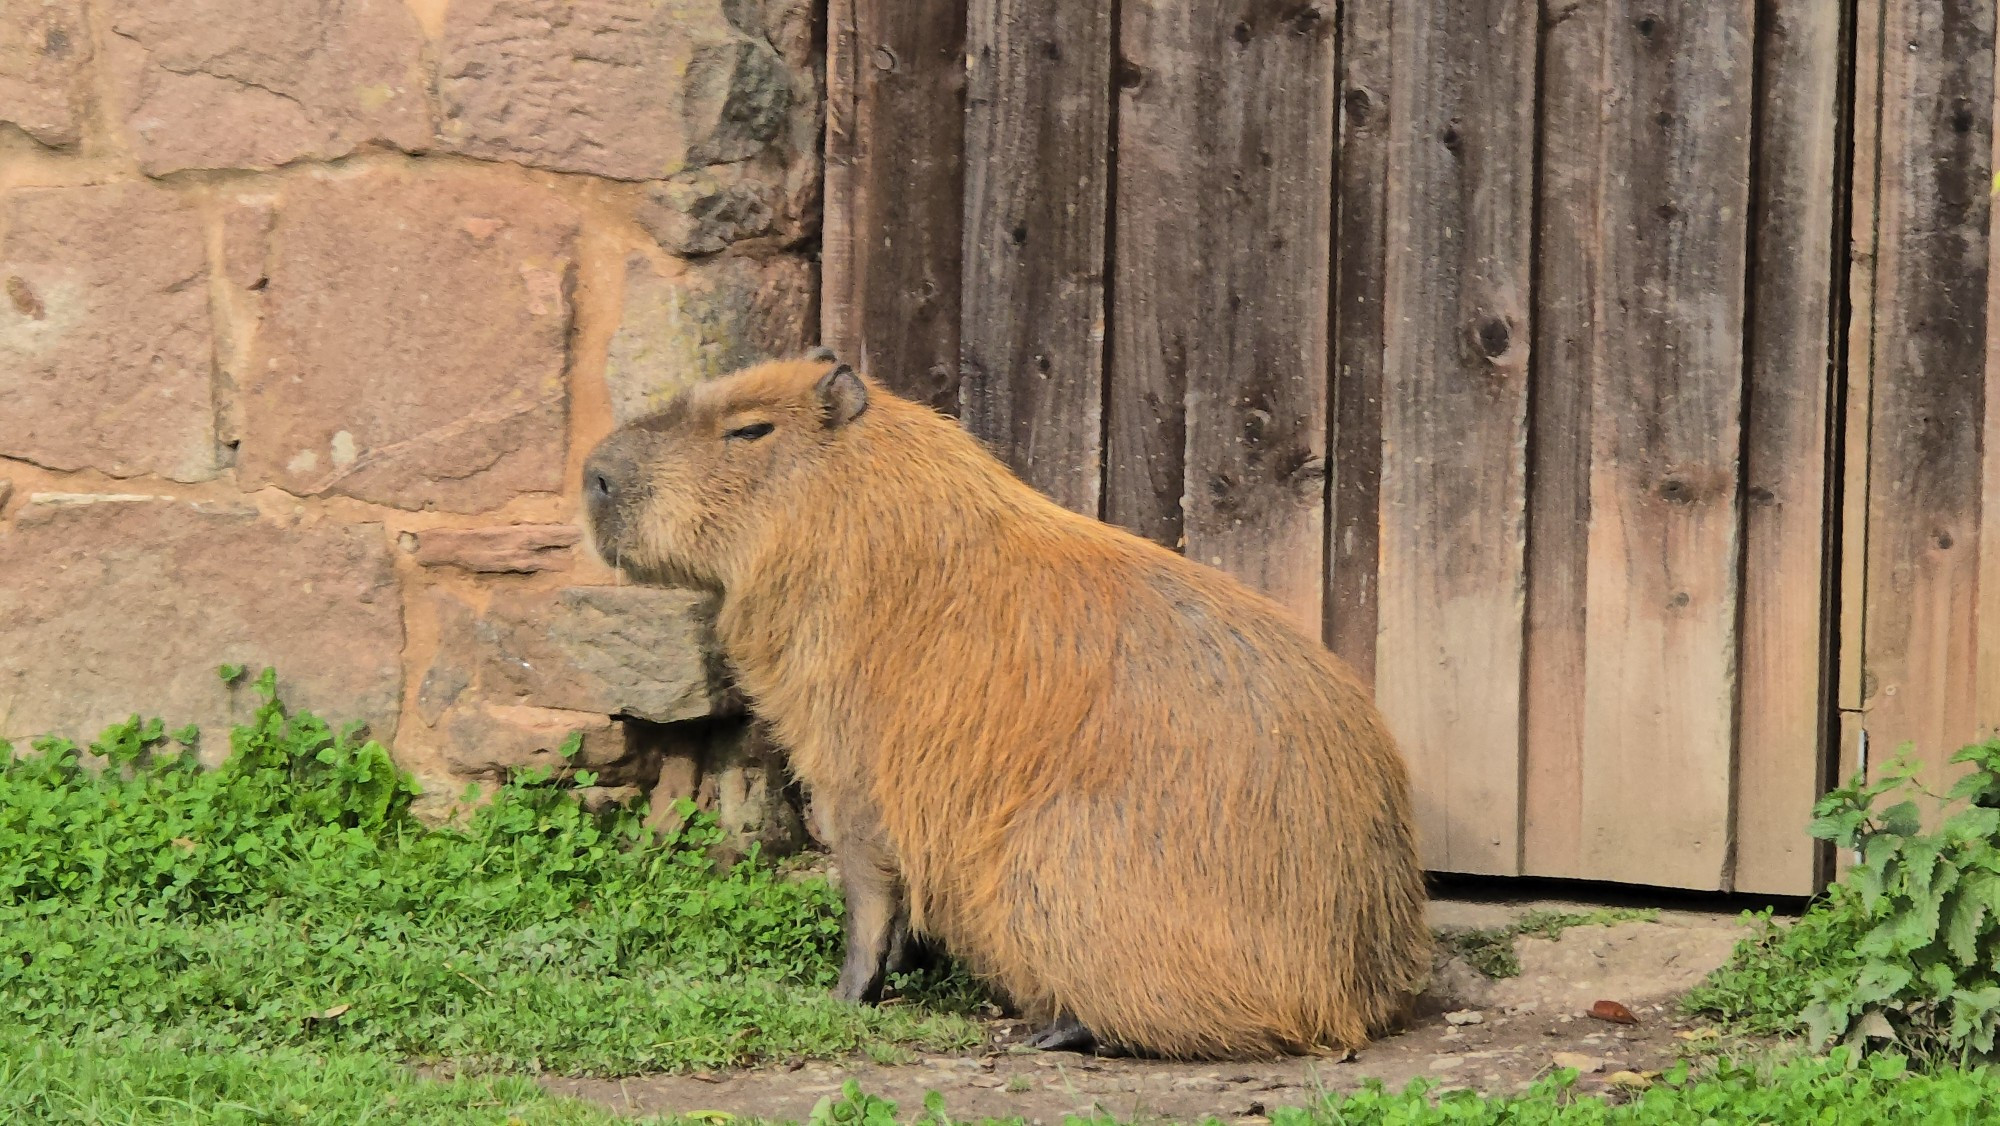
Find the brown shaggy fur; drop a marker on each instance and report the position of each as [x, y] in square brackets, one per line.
[1117, 783]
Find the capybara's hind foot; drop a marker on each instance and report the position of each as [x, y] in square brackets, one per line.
[1067, 1034]
[1064, 1034]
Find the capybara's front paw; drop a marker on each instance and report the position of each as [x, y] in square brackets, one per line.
[858, 986]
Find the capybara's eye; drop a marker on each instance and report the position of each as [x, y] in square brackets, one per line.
[751, 432]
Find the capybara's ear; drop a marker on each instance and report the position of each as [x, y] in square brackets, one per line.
[821, 354]
[842, 396]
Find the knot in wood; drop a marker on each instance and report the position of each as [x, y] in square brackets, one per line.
[1360, 103]
[1494, 337]
[1305, 19]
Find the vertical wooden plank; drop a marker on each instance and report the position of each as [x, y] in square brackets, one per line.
[1570, 254]
[1782, 732]
[1928, 416]
[1038, 112]
[1460, 207]
[1988, 626]
[1666, 385]
[1360, 256]
[895, 136]
[1863, 207]
[1219, 360]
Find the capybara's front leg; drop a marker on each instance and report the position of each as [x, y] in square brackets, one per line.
[874, 904]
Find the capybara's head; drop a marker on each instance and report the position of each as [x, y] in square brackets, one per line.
[677, 496]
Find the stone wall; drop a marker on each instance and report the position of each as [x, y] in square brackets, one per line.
[313, 308]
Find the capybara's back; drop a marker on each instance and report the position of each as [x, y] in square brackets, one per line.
[1119, 784]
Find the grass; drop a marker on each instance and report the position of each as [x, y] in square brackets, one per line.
[276, 940]
[1490, 950]
[1830, 1091]
[139, 1082]
[288, 901]
[130, 1083]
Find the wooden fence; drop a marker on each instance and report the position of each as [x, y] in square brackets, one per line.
[1606, 379]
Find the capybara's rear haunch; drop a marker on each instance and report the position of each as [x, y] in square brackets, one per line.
[1118, 784]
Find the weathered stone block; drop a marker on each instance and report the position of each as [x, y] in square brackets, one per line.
[223, 84]
[745, 784]
[629, 89]
[770, 200]
[711, 318]
[44, 48]
[515, 549]
[708, 209]
[491, 741]
[414, 346]
[643, 652]
[114, 605]
[727, 767]
[105, 340]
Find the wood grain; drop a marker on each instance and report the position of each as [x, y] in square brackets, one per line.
[1988, 687]
[1929, 380]
[895, 140]
[1360, 259]
[1219, 362]
[1038, 115]
[1863, 209]
[1666, 385]
[1570, 258]
[1460, 210]
[1783, 732]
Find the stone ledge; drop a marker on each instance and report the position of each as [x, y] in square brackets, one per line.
[637, 652]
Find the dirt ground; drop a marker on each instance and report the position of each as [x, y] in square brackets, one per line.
[1494, 1036]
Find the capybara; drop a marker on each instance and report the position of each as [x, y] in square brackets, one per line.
[1117, 784]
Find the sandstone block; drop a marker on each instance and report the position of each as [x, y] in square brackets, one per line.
[642, 652]
[711, 318]
[491, 741]
[105, 335]
[708, 209]
[745, 784]
[728, 767]
[223, 84]
[414, 343]
[44, 48]
[115, 605]
[597, 799]
[628, 89]
[516, 549]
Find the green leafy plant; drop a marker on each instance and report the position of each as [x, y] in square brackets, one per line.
[1905, 950]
